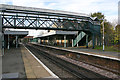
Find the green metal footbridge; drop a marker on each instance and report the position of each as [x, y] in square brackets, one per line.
[19, 17]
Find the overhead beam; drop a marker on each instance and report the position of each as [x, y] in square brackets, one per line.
[19, 17]
[21, 9]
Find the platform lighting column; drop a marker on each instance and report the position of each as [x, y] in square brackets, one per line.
[48, 40]
[103, 36]
[72, 43]
[8, 42]
[64, 40]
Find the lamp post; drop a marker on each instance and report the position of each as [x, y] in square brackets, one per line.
[103, 36]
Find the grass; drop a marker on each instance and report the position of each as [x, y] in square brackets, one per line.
[108, 48]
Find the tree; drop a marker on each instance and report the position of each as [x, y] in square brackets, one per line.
[117, 34]
[108, 28]
[109, 33]
[99, 15]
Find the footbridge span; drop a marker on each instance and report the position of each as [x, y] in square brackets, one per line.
[19, 17]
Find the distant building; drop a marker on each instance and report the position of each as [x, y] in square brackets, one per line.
[30, 37]
[27, 39]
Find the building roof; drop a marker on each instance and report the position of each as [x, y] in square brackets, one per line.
[28, 37]
[59, 33]
[16, 32]
[13, 7]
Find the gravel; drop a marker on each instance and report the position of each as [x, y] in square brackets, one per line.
[84, 65]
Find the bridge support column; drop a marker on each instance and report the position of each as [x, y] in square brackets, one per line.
[3, 44]
[8, 42]
[48, 40]
[43, 41]
[55, 42]
[1, 35]
[100, 39]
[93, 40]
[40, 41]
[16, 41]
[77, 40]
[86, 41]
[64, 40]
[1, 48]
[1, 38]
[61, 42]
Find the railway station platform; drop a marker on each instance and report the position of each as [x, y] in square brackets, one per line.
[21, 63]
[96, 52]
[93, 52]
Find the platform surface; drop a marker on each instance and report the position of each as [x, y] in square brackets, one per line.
[20, 63]
[98, 52]
[12, 64]
[32, 67]
[88, 51]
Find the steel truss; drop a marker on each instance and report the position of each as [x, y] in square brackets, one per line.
[24, 19]
[19, 17]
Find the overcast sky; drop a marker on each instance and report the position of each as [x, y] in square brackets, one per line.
[108, 7]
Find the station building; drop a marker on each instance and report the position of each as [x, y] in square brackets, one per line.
[13, 38]
[64, 38]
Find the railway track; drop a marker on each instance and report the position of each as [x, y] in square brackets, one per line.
[52, 66]
[101, 63]
[77, 71]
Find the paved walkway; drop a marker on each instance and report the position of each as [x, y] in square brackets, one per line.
[32, 67]
[99, 52]
[12, 64]
[0, 67]
[20, 63]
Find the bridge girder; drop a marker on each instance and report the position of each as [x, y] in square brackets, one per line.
[30, 22]
[26, 18]
[19, 17]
